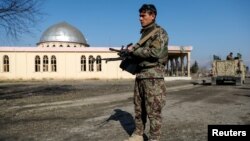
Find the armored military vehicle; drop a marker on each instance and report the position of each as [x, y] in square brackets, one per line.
[228, 71]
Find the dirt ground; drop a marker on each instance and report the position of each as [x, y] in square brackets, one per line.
[102, 110]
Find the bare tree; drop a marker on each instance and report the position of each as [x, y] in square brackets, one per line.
[19, 16]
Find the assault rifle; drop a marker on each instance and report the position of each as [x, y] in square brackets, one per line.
[123, 53]
[129, 63]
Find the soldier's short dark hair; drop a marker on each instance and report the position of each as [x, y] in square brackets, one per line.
[150, 8]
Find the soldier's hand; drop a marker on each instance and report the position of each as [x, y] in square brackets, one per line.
[131, 48]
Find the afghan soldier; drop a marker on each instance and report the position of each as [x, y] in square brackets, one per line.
[230, 56]
[150, 88]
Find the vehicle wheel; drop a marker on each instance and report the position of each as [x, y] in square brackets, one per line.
[219, 82]
[213, 82]
[238, 82]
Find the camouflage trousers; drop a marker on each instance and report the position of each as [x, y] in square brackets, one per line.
[149, 99]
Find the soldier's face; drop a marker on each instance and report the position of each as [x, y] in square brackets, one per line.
[146, 18]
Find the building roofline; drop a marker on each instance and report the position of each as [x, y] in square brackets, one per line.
[76, 49]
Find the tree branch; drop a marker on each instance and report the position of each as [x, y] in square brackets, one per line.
[19, 16]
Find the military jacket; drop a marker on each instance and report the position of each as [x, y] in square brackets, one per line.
[152, 54]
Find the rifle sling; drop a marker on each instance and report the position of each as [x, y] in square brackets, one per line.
[144, 39]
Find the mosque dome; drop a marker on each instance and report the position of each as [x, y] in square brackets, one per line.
[63, 32]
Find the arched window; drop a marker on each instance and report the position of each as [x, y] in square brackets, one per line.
[6, 63]
[45, 63]
[91, 63]
[61, 46]
[98, 63]
[37, 64]
[53, 63]
[83, 63]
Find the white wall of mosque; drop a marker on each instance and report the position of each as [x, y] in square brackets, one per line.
[68, 65]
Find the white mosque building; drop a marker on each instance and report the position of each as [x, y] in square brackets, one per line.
[63, 53]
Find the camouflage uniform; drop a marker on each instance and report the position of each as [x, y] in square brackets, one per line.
[150, 88]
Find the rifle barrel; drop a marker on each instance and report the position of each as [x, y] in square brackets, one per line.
[111, 59]
[116, 50]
